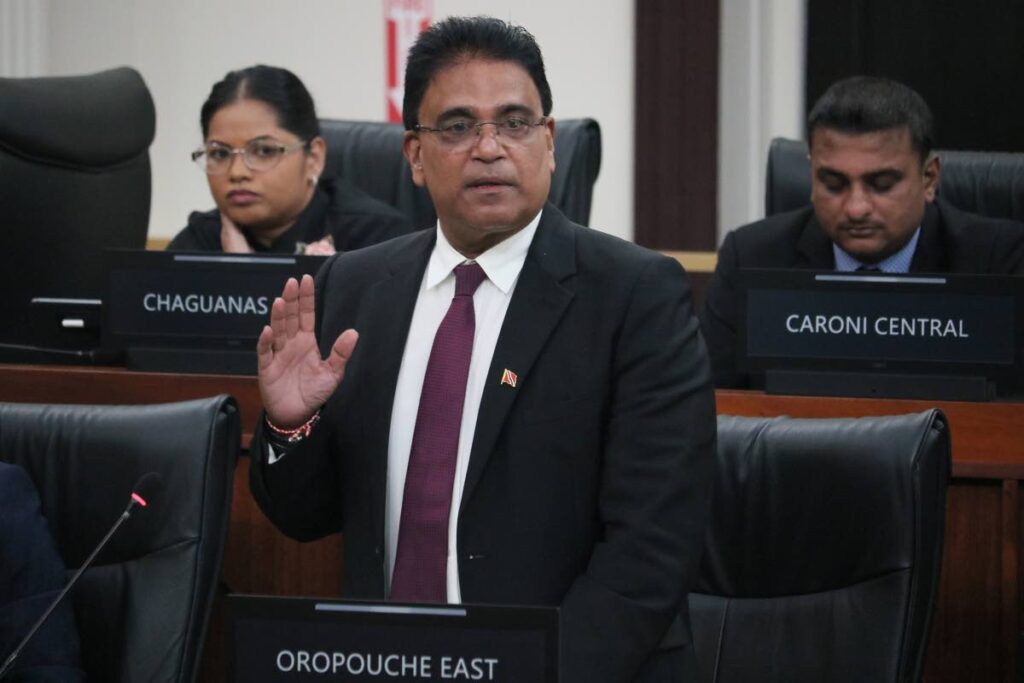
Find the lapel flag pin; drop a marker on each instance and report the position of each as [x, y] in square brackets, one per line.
[510, 378]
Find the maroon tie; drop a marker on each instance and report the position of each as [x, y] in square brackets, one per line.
[422, 555]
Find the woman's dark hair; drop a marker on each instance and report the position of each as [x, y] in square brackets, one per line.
[278, 88]
[444, 43]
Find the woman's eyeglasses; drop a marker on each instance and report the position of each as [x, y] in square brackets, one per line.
[257, 155]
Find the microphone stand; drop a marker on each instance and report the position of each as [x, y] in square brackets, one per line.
[9, 662]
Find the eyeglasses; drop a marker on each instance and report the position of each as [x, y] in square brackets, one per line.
[258, 155]
[463, 133]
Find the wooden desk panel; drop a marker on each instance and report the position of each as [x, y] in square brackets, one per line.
[975, 635]
[117, 386]
[983, 447]
[987, 439]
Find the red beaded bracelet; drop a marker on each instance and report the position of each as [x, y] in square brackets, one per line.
[297, 434]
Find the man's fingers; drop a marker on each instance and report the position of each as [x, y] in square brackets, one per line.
[265, 348]
[307, 304]
[277, 323]
[342, 350]
[291, 306]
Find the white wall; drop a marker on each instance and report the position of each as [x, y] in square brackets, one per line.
[337, 48]
[23, 38]
[761, 96]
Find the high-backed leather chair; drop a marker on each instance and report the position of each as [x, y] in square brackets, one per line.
[823, 550]
[986, 183]
[369, 155]
[143, 606]
[74, 165]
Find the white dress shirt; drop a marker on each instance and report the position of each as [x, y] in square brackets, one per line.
[502, 264]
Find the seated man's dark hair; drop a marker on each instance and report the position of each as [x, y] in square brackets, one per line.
[274, 86]
[446, 42]
[867, 104]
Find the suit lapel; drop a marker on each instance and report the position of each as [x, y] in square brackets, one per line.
[930, 255]
[537, 305]
[815, 247]
[388, 310]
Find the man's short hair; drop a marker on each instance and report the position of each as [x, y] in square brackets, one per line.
[446, 42]
[867, 104]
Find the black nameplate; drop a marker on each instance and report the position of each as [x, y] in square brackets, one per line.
[163, 309]
[844, 331]
[295, 639]
[899, 326]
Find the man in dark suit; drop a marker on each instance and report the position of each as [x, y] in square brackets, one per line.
[570, 464]
[31, 576]
[873, 182]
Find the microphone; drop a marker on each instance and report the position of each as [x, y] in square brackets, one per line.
[142, 493]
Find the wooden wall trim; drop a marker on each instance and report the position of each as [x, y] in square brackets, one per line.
[676, 113]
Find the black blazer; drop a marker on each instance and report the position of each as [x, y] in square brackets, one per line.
[588, 483]
[31, 576]
[951, 241]
[351, 217]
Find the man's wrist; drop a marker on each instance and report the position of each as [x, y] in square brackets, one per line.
[286, 437]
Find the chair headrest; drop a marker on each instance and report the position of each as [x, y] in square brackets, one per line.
[369, 155]
[577, 163]
[89, 122]
[986, 183]
[808, 505]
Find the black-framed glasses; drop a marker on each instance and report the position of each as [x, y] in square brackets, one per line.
[258, 155]
[463, 133]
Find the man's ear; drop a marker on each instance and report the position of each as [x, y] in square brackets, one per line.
[412, 147]
[931, 171]
[549, 138]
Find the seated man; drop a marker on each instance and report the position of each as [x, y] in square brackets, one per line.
[31, 576]
[873, 182]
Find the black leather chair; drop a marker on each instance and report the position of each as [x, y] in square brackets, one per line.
[986, 183]
[76, 178]
[823, 550]
[142, 608]
[369, 155]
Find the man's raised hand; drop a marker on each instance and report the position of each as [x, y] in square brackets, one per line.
[294, 381]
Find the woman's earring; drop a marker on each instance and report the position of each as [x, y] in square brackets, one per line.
[314, 179]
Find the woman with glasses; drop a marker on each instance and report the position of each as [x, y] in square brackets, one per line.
[263, 157]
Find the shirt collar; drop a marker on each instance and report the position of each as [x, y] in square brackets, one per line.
[897, 263]
[501, 263]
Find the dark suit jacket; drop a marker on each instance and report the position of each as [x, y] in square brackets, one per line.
[588, 483]
[31, 576]
[353, 218]
[951, 241]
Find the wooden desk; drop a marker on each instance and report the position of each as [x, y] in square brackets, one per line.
[975, 635]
